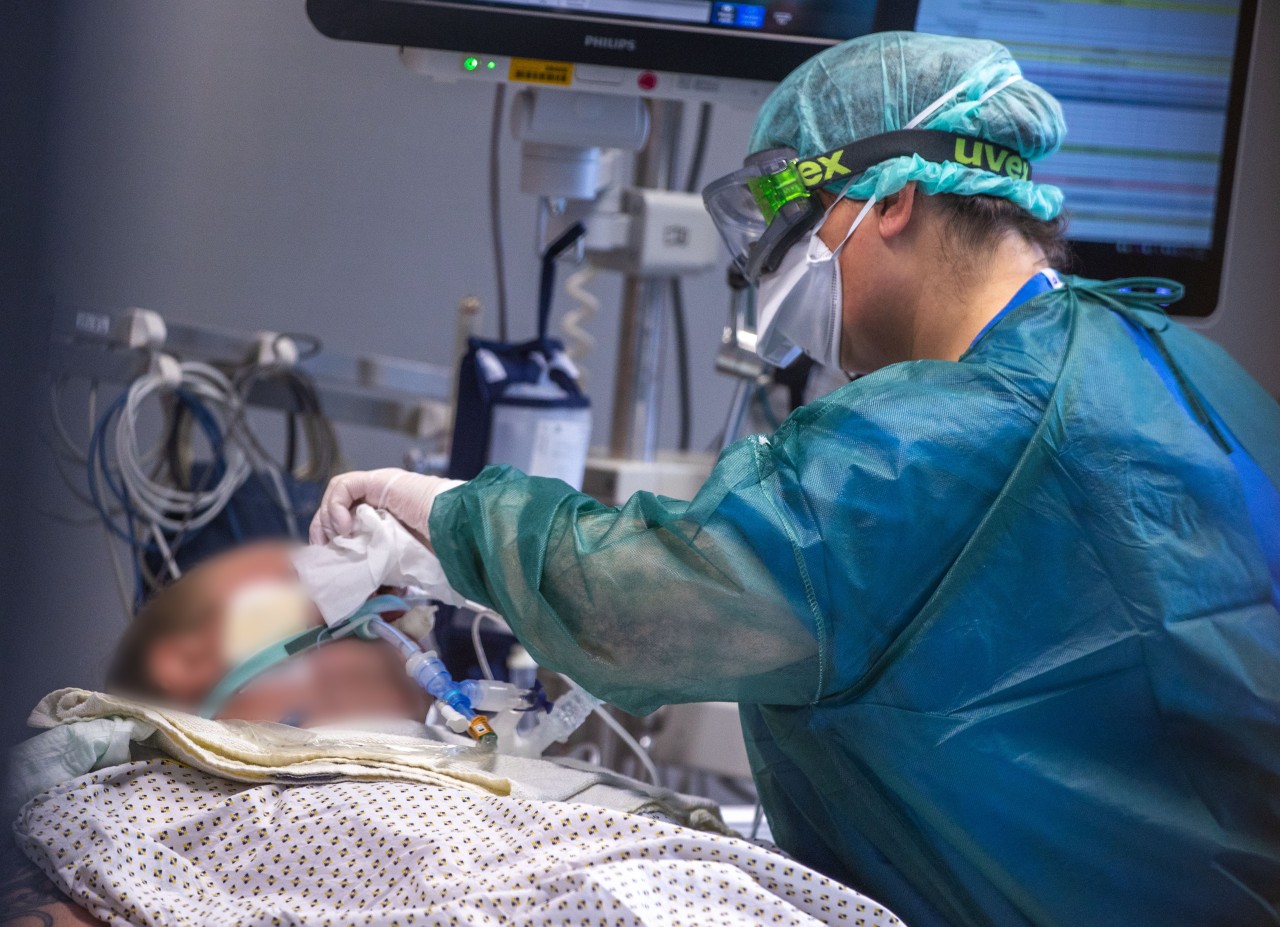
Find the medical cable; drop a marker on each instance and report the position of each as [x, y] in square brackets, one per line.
[104, 479]
[185, 409]
[156, 501]
[322, 442]
[585, 752]
[324, 454]
[260, 458]
[117, 574]
[698, 157]
[320, 438]
[760, 399]
[481, 657]
[80, 495]
[681, 339]
[495, 207]
[73, 453]
[578, 341]
[737, 412]
[65, 450]
[156, 491]
[679, 322]
[633, 745]
[70, 450]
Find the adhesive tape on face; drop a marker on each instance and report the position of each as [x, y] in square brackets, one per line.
[262, 614]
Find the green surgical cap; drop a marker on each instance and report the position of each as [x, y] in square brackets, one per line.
[879, 83]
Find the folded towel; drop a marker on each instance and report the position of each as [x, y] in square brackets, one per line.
[264, 752]
[87, 731]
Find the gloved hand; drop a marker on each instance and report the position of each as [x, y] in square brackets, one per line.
[407, 496]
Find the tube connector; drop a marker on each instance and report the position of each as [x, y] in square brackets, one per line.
[429, 671]
[140, 329]
[167, 369]
[491, 695]
[480, 730]
[478, 726]
[568, 714]
[274, 350]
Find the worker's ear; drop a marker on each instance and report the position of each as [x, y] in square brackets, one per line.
[893, 213]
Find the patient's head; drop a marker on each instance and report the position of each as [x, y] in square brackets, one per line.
[172, 652]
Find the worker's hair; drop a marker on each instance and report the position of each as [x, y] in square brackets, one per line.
[170, 611]
[975, 224]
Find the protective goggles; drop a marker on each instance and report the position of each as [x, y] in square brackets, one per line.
[770, 204]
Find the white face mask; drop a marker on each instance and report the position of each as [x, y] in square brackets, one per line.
[800, 306]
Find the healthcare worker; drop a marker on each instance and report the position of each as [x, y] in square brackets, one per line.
[1001, 614]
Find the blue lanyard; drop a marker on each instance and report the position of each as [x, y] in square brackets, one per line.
[1262, 498]
[1041, 282]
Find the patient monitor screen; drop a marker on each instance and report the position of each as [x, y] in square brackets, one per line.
[822, 19]
[1145, 88]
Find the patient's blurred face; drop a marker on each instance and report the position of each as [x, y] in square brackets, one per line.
[343, 680]
[339, 681]
[187, 665]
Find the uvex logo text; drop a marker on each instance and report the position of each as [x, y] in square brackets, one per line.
[822, 168]
[992, 158]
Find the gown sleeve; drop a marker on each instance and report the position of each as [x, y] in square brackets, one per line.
[656, 601]
[797, 570]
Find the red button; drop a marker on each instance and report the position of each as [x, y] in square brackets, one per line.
[647, 81]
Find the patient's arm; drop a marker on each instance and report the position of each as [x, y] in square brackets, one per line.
[29, 899]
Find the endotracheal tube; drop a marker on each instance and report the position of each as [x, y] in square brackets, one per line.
[462, 704]
[428, 670]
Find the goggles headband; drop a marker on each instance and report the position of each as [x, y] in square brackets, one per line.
[800, 177]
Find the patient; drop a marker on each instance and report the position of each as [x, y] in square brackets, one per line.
[171, 654]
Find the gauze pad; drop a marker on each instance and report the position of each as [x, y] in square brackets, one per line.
[261, 614]
[342, 574]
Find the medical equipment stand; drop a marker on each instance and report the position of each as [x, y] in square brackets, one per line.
[371, 390]
[634, 462]
[637, 390]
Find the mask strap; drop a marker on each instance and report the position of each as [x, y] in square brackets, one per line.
[862, 213]
[997, 88]
[836, 202]
[938, 103]
[826, 214]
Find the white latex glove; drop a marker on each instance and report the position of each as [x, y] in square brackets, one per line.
[407, 496]
[380, 551]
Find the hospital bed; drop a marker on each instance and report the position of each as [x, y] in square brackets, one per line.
[172, 819]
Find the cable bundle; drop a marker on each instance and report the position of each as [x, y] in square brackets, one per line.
[157, 499]
[159, 503]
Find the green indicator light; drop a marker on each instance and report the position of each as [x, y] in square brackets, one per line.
[492, 65]
[470, 64]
